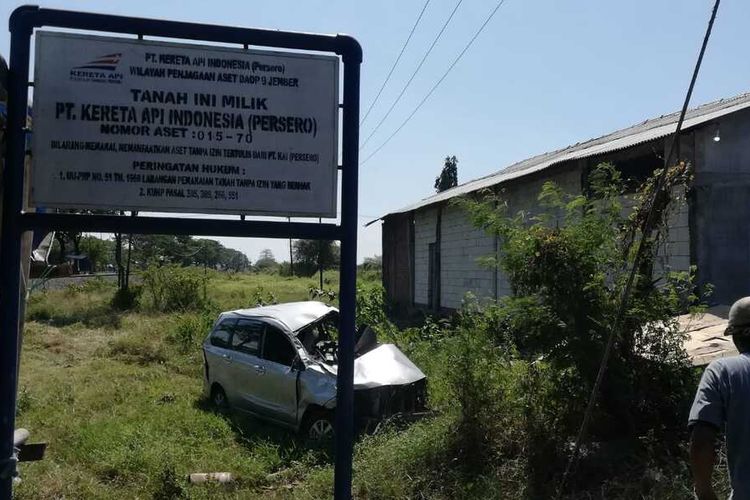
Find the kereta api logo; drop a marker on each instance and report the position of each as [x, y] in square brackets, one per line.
[102, 69]
[105, 63]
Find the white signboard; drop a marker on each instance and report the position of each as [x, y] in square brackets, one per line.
[144, 125]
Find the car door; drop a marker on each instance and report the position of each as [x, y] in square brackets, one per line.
[218, 351]
[245, 365]
[278, 390]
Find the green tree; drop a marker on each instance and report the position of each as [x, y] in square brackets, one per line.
[310, 255]
[448, 177]
[174, 288]
[70, 241]
[374, 263]
[234, 260]
[207, 253]
[266, 261]
[567, 268]
[152, 248]
[186, 251]
[100, 252]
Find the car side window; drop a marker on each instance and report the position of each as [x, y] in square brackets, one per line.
[222, 334]
[277, 347]
[247, 335]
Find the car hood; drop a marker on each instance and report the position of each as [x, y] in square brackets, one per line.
[384, 365]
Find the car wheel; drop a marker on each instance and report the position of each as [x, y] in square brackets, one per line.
[219, 398]
[319, 428]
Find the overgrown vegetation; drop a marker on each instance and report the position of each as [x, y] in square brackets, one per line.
[117, 393]
[174, 288]
[513, 378]
[567, 266]
[507, 381]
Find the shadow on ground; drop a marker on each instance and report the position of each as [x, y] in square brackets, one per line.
[254, 433]
[98, 316]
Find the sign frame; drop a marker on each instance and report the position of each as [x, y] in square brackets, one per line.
[206, 51]
[15, 221]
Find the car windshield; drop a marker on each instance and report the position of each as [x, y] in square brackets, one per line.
[320, 338]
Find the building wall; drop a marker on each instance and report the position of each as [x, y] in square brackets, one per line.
[708, 228]
[461, 246]
[397, 260]
[674, 255]
[424, 234]
[721, 212]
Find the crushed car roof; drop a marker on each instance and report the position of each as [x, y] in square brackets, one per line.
[294, 315]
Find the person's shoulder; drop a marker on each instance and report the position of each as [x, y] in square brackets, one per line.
[729, 364]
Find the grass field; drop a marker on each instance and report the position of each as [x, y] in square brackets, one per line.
[117, 397]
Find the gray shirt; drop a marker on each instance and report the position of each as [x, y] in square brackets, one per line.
[723, 400]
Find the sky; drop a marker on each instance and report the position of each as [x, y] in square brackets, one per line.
[542, 75]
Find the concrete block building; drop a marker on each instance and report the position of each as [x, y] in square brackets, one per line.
[431, 250]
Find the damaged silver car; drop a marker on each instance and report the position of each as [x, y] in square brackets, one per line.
[279, 363]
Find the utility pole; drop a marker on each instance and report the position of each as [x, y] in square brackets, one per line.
[320, 256]
[291, 257]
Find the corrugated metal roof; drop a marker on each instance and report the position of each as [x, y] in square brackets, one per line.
[646, 131]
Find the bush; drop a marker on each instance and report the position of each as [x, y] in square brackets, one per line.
[24, 400]
[520, 372]
[502, 422]
[142, 347]
[174, 288]
[567, 267]
[371, 306]
[93, 284]
[475, 378]
[190, 328]
[316, 293]
[415, 463]
[126, 299]
[261, 297]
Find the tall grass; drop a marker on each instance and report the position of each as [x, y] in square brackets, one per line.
[120, 404]
[118, 397]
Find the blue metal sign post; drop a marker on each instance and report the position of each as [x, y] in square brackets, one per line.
[23, 21]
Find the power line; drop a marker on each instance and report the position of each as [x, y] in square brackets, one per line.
[395, 62]
[419, 66]
[437, 84]
[640, 250]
